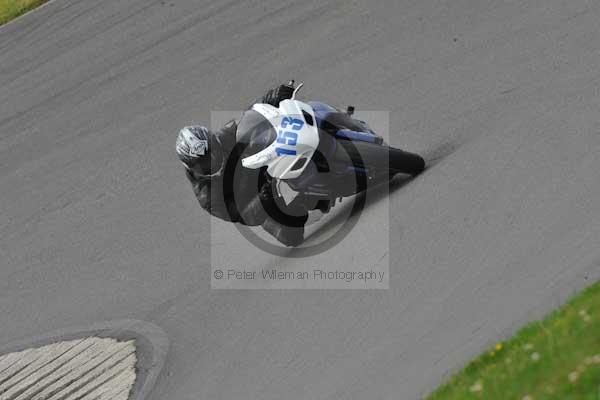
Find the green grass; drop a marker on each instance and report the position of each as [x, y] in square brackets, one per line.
[10, 9]
[556, 358]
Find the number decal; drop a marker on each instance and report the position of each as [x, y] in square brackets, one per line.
[287, 137]
[284, 152]
[296, 124]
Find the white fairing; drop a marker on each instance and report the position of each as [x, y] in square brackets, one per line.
[297, 139]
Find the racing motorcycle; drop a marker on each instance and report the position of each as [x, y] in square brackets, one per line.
[322, 154]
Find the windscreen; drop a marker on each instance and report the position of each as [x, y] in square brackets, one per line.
[256, 131]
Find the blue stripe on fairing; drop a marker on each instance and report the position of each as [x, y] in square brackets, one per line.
[353, 135]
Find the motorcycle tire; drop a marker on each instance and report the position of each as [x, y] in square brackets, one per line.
[405, 162]
[370, 155]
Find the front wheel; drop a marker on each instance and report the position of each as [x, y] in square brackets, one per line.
[405, 162]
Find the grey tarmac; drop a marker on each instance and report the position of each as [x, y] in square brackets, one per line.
[97, 220]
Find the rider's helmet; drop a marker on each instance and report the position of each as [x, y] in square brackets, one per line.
[200, 150]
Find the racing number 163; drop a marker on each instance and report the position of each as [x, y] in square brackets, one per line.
[287, 135]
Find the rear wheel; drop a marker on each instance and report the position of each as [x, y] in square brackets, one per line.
[371, 155]
[405, 162]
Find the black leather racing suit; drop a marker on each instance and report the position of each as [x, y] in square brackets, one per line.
[243, 195]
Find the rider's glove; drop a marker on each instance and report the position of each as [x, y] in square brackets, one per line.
[275, 95]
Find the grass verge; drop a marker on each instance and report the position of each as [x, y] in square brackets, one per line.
[10, 9]
[556, 358]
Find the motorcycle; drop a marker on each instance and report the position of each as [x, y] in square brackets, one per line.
[323, 154]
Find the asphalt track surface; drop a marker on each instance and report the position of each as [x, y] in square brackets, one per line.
[98, 221]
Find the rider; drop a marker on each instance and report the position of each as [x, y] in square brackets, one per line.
[212, 163]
